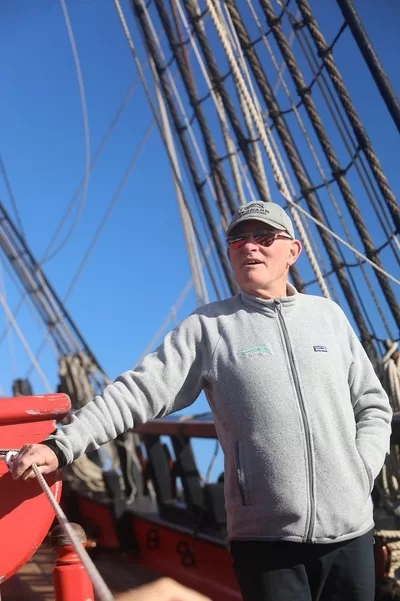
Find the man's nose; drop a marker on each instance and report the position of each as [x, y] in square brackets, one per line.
[250, 242]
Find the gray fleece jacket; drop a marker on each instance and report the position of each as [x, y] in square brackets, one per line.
[301, 416]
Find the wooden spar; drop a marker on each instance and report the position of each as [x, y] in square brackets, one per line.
[185, 427]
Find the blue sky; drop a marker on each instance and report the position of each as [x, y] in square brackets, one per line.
[139, 265]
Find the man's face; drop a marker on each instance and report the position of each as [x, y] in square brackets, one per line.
[262, 269]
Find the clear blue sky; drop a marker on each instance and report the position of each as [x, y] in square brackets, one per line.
[139, 266]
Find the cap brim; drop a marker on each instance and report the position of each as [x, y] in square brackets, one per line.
[270, 222]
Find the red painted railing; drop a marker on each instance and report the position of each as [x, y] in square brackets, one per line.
[25, 513]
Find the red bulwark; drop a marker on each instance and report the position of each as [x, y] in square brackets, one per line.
[25, 513]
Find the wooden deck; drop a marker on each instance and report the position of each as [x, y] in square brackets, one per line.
[34, 581]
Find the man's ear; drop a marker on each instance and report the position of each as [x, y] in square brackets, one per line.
[295, 251]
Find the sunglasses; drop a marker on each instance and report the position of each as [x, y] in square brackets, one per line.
[263, 237]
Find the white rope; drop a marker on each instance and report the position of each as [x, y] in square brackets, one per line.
[391, 375]
[234, 41]
[102, 591]
[390, 477]
[216, 98]
[172, 312]
[115, 198]
[280, 81]
[278, 154]
[261, 127]
[85, 120]
[275, 168]
[8, 328]
[39, 290]
[25, 344]
[188, 231]
[25, 298]
[232, 151]
[145, 85]
[310, 145]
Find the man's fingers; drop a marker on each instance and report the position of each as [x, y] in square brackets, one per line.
[42, 455]
[23, 450]
[30, 473]
[23, 461]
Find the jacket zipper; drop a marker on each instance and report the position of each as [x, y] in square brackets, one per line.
[240, 473]
[310, 525]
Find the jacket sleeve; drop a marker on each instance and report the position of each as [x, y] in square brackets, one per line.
[167, 380]
[372, 410]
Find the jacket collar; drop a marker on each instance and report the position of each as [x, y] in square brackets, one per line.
[268, 305]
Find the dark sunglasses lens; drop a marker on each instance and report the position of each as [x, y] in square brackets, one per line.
[264, 239]
[236, 242]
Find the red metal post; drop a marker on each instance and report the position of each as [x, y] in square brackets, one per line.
[71, 581]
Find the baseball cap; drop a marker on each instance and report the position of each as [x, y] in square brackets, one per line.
[266, 212]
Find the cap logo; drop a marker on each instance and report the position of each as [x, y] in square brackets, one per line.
[257, 208]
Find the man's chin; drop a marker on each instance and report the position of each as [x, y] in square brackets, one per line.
[251, 285]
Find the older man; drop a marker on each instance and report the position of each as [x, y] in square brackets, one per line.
[301, 416]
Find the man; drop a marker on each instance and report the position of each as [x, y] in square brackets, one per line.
[301, 416]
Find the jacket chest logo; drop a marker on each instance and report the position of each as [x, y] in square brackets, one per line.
[260, 349]
[320, 349]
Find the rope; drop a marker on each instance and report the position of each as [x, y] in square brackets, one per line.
[100, 587]
[330, 154]
[358, 160]
[47, 256]
[325, 52]
[15, 311]
[306, 235]
[87, 472]
[190, 241]
[215, 165]
[8, 326]
[11, 196]
[314, 154]
[85, 126]
[391, 374]
[372, 60]
[231, 35]
[241, 84]
[25, 344]
[216, 79]
[43, 295]
[252, 164]
[390, 478]
[179, 54]
[297, 164]
[233, 155]
[275, 149]
[115, 198]
[178, 126]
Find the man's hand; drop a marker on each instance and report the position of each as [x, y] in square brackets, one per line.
[164, 589]
[41, 454]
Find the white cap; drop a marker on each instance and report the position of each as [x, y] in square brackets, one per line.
[266, 212]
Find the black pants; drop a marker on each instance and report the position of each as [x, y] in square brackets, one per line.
[286, 571]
